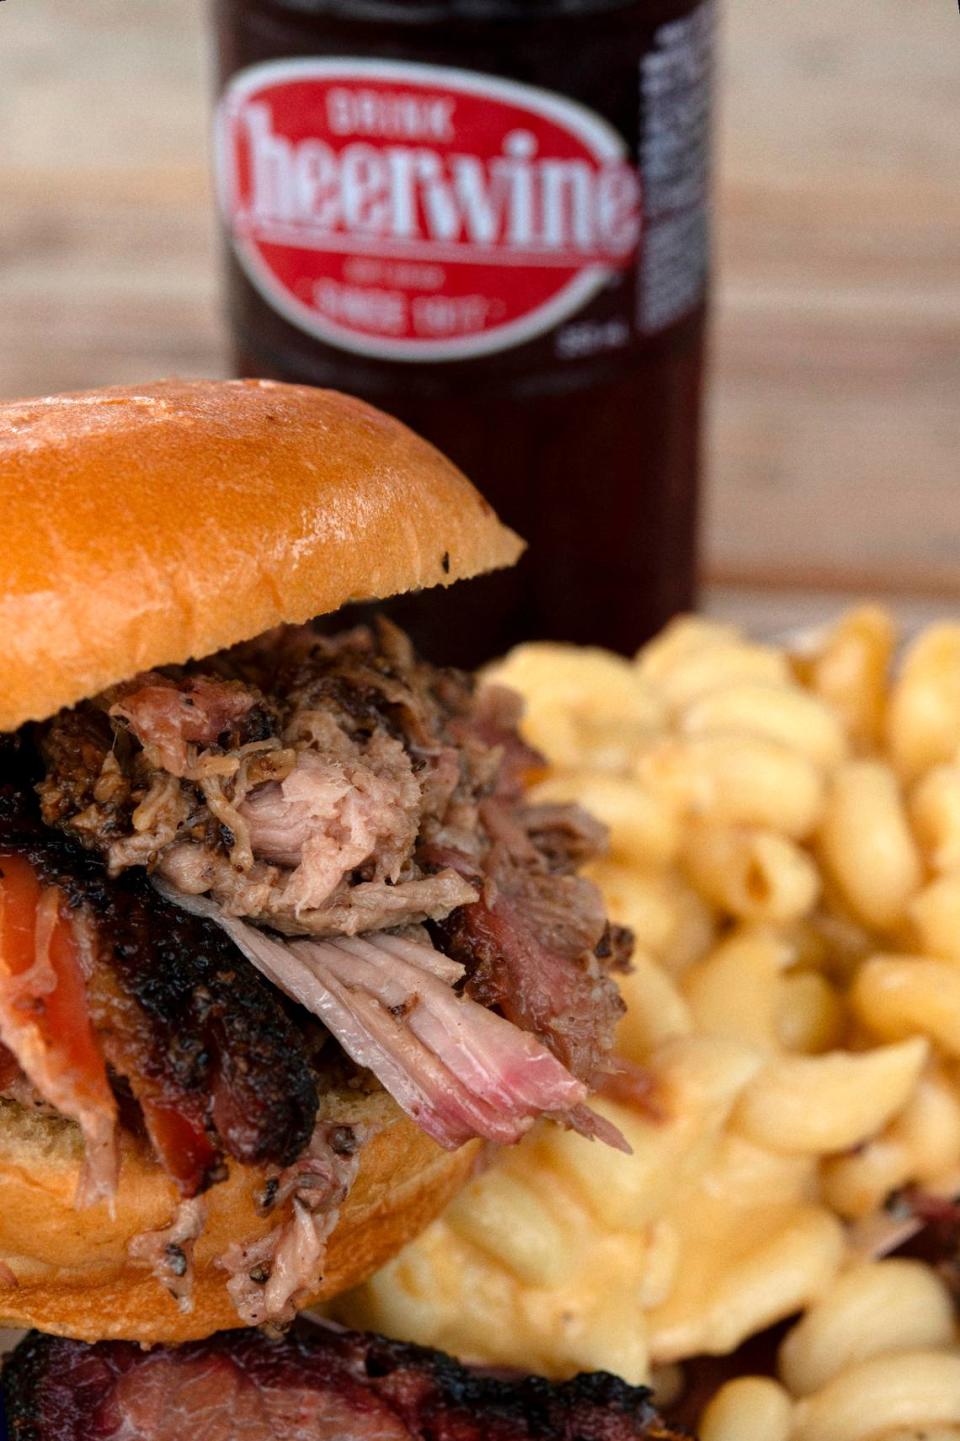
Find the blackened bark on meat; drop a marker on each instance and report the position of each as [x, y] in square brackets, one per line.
[299, 1387]
[96, 772]
[221, 1028]
[373, 677]
[189, 1023]
[74, 747]
[359, 707]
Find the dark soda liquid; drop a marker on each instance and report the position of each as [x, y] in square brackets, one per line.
[593, 455]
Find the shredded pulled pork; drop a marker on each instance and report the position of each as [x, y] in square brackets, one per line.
[169, 1252]
[271, 1278]
[329, 787]
[537, 947]
[333, 815]
[457, 1069]
[170, 720]
[302, 811]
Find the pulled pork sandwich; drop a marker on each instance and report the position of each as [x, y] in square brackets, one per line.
[282, 945]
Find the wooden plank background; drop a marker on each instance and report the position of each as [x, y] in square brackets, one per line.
[834, 435]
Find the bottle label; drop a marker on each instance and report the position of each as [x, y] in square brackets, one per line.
[417, 212]
[675, 160]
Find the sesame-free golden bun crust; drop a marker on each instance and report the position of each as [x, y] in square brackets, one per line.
[148, 525]
[71, 1267]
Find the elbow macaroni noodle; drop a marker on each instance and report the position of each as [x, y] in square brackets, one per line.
[785, 843]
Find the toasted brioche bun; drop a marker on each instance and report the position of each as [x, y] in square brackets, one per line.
[68, 1271]
[143, 526]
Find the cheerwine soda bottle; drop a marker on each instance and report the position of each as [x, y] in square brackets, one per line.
[489, 217]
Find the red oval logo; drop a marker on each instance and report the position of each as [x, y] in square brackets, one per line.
[420, 213]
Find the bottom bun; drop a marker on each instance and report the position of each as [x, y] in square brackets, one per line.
[69, 1271]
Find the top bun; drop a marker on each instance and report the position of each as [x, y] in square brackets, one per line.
[145, 526]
